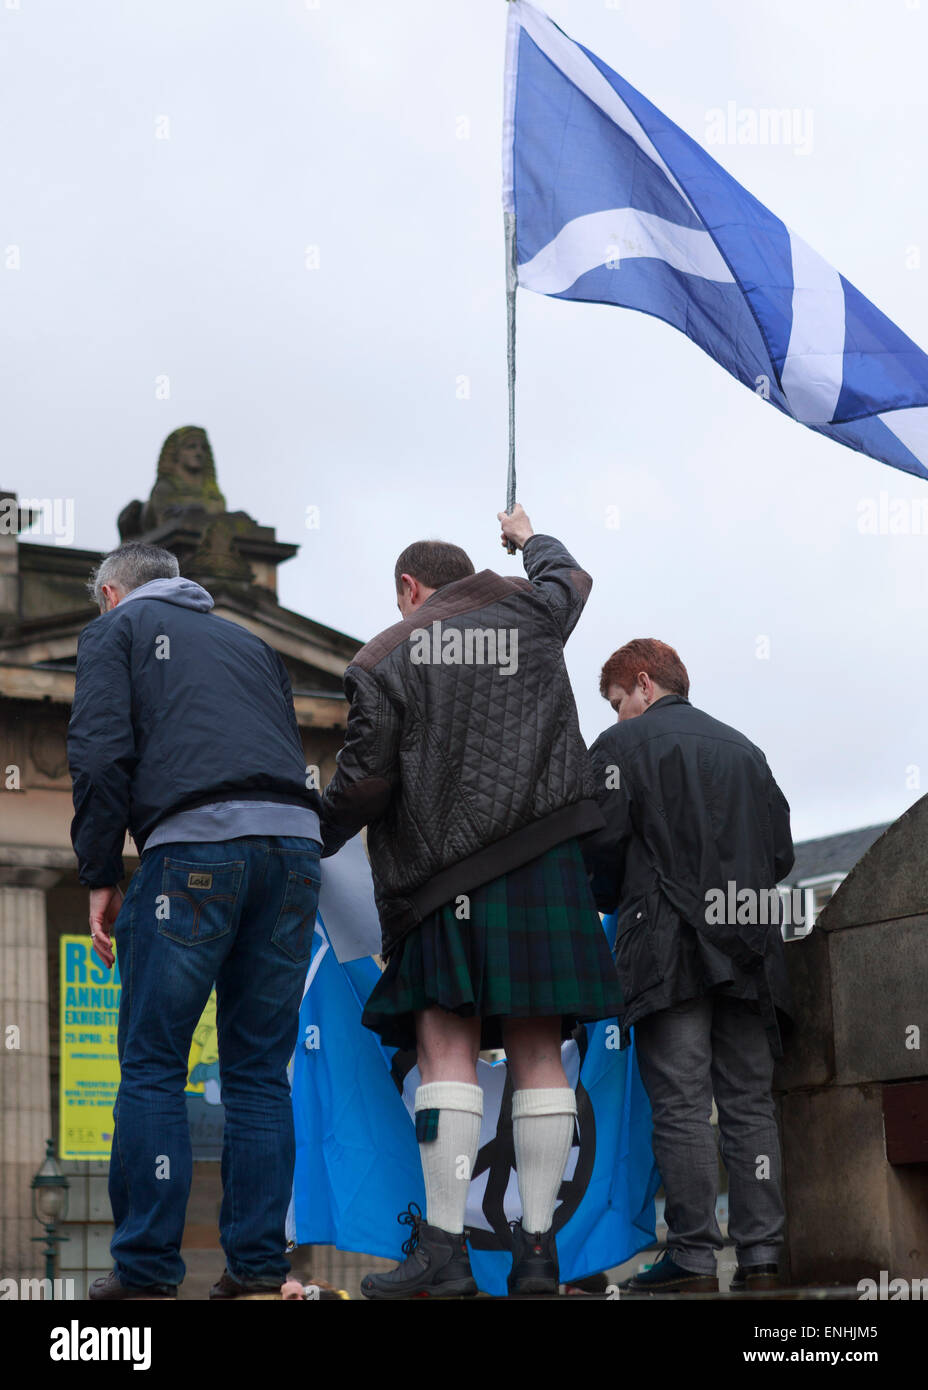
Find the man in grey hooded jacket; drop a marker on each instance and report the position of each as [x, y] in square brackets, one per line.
[183, 732]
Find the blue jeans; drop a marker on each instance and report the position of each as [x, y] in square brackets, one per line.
[241, 914]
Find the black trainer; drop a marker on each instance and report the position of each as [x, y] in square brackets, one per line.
[755, 1278]
[437, 1264]
[666, 1276]
[229, 1287]
[534, 1261]
[110, 1287]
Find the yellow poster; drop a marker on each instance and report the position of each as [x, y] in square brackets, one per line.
[89, 1013]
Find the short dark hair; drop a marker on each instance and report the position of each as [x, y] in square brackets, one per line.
[433, 563]
[647, 654]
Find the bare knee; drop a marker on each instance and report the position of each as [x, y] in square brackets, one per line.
[533, 1053]
[447, 1046]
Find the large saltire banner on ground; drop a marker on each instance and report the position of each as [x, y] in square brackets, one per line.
[357, 1160]
[89, 1013]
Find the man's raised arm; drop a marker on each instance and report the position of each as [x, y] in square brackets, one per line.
[553, 571]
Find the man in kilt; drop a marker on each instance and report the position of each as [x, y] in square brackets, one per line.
[463, 756]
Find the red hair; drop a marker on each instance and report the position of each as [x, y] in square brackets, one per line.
[646, 654]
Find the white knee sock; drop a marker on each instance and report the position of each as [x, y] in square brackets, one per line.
[542, 1131]
[448, 1115]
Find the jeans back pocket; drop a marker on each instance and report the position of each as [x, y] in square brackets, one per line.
[296, 921]
[198, 900]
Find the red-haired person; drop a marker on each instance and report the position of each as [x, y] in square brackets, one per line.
[697, 837]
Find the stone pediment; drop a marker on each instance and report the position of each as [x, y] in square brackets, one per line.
[44, 600]
[39, 660]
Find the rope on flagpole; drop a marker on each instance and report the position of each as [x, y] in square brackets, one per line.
[509, 220]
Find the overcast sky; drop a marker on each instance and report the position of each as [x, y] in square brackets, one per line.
[168, 163]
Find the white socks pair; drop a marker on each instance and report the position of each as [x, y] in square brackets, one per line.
[448, 1115]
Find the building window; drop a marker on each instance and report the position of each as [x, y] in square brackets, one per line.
[803, 902]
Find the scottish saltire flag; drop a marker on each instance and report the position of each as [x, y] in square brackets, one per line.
[357, 1159]
[614, 203]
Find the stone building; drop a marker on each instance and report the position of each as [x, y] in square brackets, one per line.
[853, 1086]
[44, 604]
[820, 867]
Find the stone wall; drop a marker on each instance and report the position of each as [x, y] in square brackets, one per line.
[860, 981]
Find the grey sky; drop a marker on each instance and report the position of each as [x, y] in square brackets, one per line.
[340, 127]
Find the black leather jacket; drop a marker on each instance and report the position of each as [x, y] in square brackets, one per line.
[465, 768]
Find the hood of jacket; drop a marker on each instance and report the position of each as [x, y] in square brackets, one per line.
[183, 592]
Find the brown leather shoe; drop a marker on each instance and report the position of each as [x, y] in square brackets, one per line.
[111, 1288]
[227, 1287]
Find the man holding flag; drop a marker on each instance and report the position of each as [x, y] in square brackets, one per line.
[463, 756]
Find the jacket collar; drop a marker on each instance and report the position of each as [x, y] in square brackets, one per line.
[466, 595]
[456, 589]
[668, 700]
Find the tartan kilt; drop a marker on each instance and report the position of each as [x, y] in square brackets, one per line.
[533, 946]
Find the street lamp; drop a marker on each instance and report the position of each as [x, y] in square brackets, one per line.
[49, 1206]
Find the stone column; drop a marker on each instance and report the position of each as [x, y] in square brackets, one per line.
[25, 1105]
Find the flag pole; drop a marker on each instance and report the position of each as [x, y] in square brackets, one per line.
[509, 219]
[509, 226]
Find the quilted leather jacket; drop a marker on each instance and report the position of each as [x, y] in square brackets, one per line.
[463, 753]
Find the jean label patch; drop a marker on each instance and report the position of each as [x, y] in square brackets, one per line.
[201, 902]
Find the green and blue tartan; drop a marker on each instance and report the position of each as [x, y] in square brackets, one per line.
[533, 946]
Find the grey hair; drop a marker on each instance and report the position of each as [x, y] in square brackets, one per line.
[129, 566]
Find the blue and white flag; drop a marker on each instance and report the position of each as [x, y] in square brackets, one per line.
[613, 203]
[357, 1159]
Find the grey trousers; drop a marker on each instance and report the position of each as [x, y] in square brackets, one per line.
[686, 1054]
